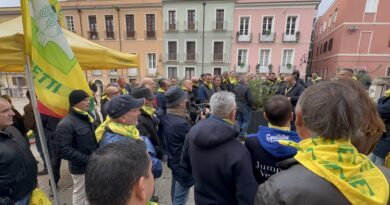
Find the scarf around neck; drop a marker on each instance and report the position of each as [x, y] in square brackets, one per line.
[81, 112]
[160, 90]
[149, 110]
[130, 131]
[339, 162]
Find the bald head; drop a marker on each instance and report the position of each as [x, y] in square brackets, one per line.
[187, 84]
[112, 91]
[346, 73]
[122, 82]
[149, 83]
[194, 80]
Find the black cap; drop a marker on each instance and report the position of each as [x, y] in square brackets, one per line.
[119, 105]
[143, 92]
[174, 96]
[77, 96]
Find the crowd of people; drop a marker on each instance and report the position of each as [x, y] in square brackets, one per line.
[320, 145]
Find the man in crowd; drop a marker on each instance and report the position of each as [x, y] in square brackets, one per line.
[206, 89]
[264, 148]
[346, 73]
[18, 118]
[149, 83]
[217, 84]
[292, 92]
[109, 93]
[124, 87]
[221, 165]
[173, 81]
[18, 167]
[195, 89]
[297, 77]
[175, 125]
[75, 134]
[163, 87]
[226, 85]
[130, 181]
[244, 106]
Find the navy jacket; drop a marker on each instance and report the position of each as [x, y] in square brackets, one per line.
[220, 164]
[383, 146]
[294, 93]
[161, 103]
[266, 152]
[175, 129]
[205, 93]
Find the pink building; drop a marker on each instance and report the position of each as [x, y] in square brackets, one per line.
[272, 35]
[353, 34]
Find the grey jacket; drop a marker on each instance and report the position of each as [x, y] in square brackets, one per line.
[243, 98]
[298, 185]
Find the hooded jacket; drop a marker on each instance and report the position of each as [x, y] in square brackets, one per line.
[219, 163]
[266, 151]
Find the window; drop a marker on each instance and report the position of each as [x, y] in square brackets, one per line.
[172, 50]
[287, 57]
[150, 26]
[330, 21]
[172, 72]
[93, 29]
[113, 72]
[321, 49]
[242, 57]
[267, 25]
[19, 81]
[330, 44]
[189, 72]
[151, 60]
[191, 20]
[244, 25]
[325, 47]
[190, 50]
[109, 19]
[318, 49]
[130, 31]
[217, 71]
[97, 72]
[218, 51]
[69, 23]
[265, 57]
[219, 19]
[291, 25]
[371, 6]
[335, 15]
[172, 20]
[324, 28]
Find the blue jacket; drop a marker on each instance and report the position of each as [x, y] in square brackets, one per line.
[110, 137]
[383, 146]
[161, 108]
[205, 93]
[266, 152]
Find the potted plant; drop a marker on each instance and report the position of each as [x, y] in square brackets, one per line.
[288, 65]
[242, 64]
[268, 32]
[270, 66]
[260, 91]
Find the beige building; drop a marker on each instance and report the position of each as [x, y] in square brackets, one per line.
[129, 26]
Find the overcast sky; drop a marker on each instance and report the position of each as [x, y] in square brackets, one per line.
[324, 5]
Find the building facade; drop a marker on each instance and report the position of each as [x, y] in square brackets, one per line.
[272, 35]
[197, 37]
[353, 34]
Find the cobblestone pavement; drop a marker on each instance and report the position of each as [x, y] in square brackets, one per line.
[162, 185]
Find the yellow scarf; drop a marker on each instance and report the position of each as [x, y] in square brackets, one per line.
[279, 127]
[130, 131]
[149, 110]
[387, 93]
[104, 97]
[338, 162]
[90, 118]
[317, 79]
[160, 90]
[124, 91]
[184, 88]
[233, 81]
[209, 85]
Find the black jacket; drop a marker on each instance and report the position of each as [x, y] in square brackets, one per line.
[220, 164]
[175, 129]
[18, 167]
[294, 93]
[383, 146]
[195, 93]
[205, 93]
[243, 98]
[76, 140]
[147, 126]
[103, 103]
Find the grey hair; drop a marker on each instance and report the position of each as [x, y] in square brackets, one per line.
[222, 104]
[331, 110]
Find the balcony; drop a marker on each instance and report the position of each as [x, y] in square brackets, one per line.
[171, 57]
[191, 57]
[291, 38]
[97, 73]
[191, 26]
[110, 35]
[262, 69]
[171, 27]
[244, 38]
[242, 68]
[150, 35]
[93, 35]
[219, 26]
[218, 57]
[268, 37]
[130, 35]
[288, 68]
[113, 72]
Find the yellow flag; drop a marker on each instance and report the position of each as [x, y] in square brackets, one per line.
[56, 6]
[55, 69]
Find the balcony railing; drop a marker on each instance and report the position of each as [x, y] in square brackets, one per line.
[150, 34]
[93, 35]
[262, 69]
[110, 35]
[171, 57]
[191, 57]
[191, 26]
[130, 34]
[97, 73]
[244, 38]
[219, 25]
[268, 37]
[171, 27]
[288, 68]
[218, 57]
[113, 73]
[291, 37]
[242, 68]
